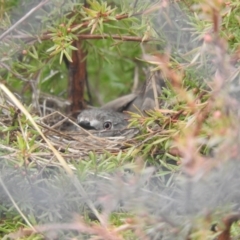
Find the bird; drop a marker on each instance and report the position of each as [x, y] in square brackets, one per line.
[100, 119]
[114, 116]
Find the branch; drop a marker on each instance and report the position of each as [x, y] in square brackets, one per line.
[45, 36]
[28, 39]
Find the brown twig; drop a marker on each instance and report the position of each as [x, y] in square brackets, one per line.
[87, 37]
[77, 78]
[228, 221]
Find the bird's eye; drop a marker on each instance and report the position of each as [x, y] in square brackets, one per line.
[107, 125]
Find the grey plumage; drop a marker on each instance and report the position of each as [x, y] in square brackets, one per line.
[122, 103]
[98, 119]
[110, 116]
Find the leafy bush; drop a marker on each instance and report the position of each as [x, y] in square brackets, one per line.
[178, 178]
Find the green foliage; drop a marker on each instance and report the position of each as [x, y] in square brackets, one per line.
[36, 62]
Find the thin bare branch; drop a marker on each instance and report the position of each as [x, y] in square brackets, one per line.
[22, 19]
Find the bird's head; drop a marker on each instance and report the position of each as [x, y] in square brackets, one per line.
[99, 119]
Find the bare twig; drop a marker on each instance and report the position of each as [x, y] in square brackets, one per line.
[22, 19]
[15, 204]
[13, 73]
[155, 93]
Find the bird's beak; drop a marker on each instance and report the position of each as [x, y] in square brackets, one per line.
[86, 125]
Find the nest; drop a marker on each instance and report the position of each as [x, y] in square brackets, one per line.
[73, 142]
[66, 135]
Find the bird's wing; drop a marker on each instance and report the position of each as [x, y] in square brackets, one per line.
[120, 104]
